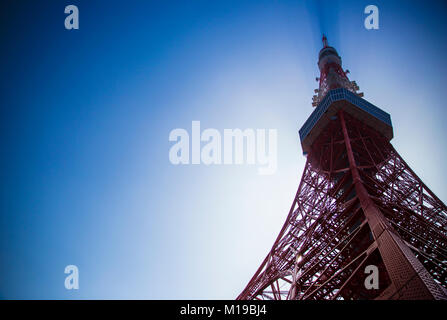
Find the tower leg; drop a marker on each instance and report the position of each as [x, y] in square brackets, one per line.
[410, 280]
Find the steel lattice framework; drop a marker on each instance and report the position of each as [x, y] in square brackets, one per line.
[358, 204]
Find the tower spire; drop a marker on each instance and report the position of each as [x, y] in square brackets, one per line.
[325, 41]
[332, 75]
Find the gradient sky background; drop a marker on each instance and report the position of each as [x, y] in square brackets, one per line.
[86, 115]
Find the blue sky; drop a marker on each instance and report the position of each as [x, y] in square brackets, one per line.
[86, 116]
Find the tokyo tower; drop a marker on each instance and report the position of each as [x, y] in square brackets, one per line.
[360, 216]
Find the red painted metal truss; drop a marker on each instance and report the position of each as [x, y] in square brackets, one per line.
[358, 204]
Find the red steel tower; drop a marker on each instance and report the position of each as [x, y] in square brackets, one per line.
[359, 211]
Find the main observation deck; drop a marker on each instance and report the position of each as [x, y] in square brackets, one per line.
[351, 103]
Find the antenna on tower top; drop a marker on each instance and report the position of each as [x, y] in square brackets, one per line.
[325, 41]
